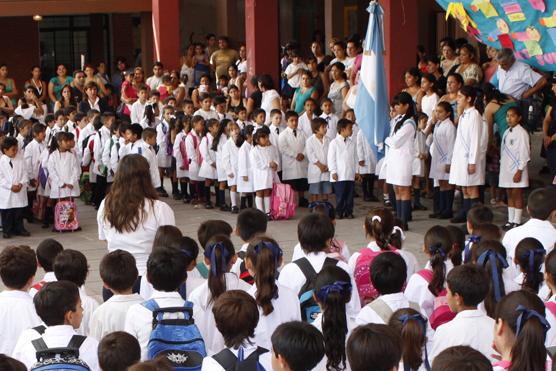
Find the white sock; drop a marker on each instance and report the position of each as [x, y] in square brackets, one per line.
[267, 204]
[517, 216]
[233, 198]
[511, 214]
[386, 196]
[259, 203]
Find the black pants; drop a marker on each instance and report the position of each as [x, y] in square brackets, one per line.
[344, 197]
[100, 190]
[12, 220]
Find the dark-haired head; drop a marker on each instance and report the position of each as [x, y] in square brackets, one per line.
[71, 265]
[376, 345]
[117, 351]
[529, 255]
[47, 251]
[461, 358]
[118, 271]
[18, 265]
[166, 269]
[297, 345]
[411, 326]
[11, 364]
[388, 273]
[210, 228]
[219, 256]
[467, 285]
[437, 245]
[542, 203]
[379, 224]
[250, 223]
[236, 316]
[457, 237]
[315, 232]
[477, 215]
[56, 303]
[166, 236]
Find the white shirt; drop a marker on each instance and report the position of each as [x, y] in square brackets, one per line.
[210, 364]
[48, 277]
[137, 112]
[332, 121]
[9, 176]
[154, 82]
[17, 313]
[89, 306]
[266, 102]
[304, 124]
[517, 79]
[110, 315]
[32, 158]
[139, 242]
[295, 81]
[369, 315]
[342, 159]
[290, 146]
[365, 153]
[207, 115]
[317, 151]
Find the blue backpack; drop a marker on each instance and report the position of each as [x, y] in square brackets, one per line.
[230, 362]
[177, 339]
[60, 359]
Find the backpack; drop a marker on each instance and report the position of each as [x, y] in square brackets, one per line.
[282, 202]
[66, 358]
[441, 312]
[362, 274]
[309, 308]
[66, 217]
[384, 311]
[229, 361]
[177, 339]
[243, 271]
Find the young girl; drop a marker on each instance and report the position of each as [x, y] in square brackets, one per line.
[550, 280]
[151, 116]
[424, 286]
[208, 167]
[195, 159]
[277, 304]
[411, 326]
[520, 333]
[515, 154]
[427, 101]
[401, 148]
[350, 115]
[219, 258]
[164, 143]
[367, 164]
[441, 144]
[529, 256]
[183, 127]
[264, 161]
[230, 162]
[245, 171]
[63, 168]
[218, 143]
[332, 293]
[420, 155]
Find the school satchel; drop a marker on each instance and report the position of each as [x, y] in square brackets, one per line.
[362, 274]
[230, 362]
[66, 218]
[441, 312]
[384, 311]
[177, 338]
[309, 308]
[66, 358]
[282, 201]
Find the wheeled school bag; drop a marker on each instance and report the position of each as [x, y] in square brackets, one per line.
[229, 361]
[309, 308]
[66, 218]
[176, 339]
[59, 359]
[282, 201]
[441, 312]
[362, 274]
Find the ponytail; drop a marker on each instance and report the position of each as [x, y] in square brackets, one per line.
[438, 244]
[530, 257]
[265, 256]
[219, 252]
[221, 130]
[379, 224]
[404, 98]
[491, 255]
[550, 267]
[411, 326]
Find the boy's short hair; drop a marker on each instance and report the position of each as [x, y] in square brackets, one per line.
[310, 100]
[480, 214]
[470, 282]
[488, 231]
[316, 124]
[290, 114]
[18, 264]
[154, 93]
[238, 109]
[251, 222]
[459, 358]
[342, 124]
[117, 351]
[388, 273]
[49, 118]
[158, 364]
[8, 143]
[376, 345]
[11, 364]
[54, 300]
[325, 100]
[71, 109]
[118, 270]
[258, 111]
[136, 129]
[38, 128]
[142, 87]
[166, 269]
[219, 99]
[236, 316]
[148, 133]
[211, 228]
[275, 111]
[541, 203]
[60, 112]
[299, 343]
[314, 231]
[47, 251]
[71, 265]
[204, 96]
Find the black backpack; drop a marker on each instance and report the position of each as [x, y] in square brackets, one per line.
[227, 359]
[64, 358]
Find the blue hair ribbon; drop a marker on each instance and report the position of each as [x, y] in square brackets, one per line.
[526, 314]
[473, 239]
[530, 255]
[210, 253]
[492, 257]
[437, 249]
[275, 249]
[404, 318]
[336, 286]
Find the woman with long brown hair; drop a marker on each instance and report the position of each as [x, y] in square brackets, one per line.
[131, 213]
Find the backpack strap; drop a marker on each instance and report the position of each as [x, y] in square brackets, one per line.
[427, 274]
[382, 309]
[39, 345]
[40, 329]
[75, 343]
[551, 306]
[203, 270]
[309, 273]
[151, 305]
[226, 359]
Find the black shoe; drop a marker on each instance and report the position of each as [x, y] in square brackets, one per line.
[224, 208]
[268, 217]
[434, 216]
[339, 216]
[506, 227]
[445, 216]
[373, 198]
[387, 203]
[303, 202]
[419, 207]
[458, 219]
[177, 196]
[235, 210]
[186, 200]
[349, 216]
[6, 235]
[24, 233]
[45, 225]
[209, 206]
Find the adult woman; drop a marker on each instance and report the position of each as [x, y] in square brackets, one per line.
[131, 213]
[11, 90]
[200, 63]
[130, 88]
[549, 134]
[469, 69]
[187, 68]
[177, 90]
[454, 83]
[449, 57]
[490, 67]
[66, 99]
[30, 106]
[234, 99]
[304, 91]
[36, 82]
[203, 88]
[320, 79]
[254, 100]
[271, 98]
[241, 63]
[56, 83]
[91, 77]
[6, 104]
[316, 49]
[235, 78]
[339, 87]
[102, 73]
[412, 78]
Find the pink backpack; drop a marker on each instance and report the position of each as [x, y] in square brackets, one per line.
[441, 312]
[66, 218]
[282, 202]
[362, 274]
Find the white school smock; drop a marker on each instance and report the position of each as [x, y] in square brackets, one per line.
[332, 121]
[369, 315]
[115, 154]
[399, 163]
[304, 124]
[32, 158]
[63, 169]
[55, 337]
[551, 318]
[428, 104]
[469, 327]
[207, 170]
[207, 115]
[286, 308]
[244, 168]
[107, 151]
[192, 143]
[266, 103]
[141, 148]
[317, 151]
[441, 149]
[220, 169]
[342, 159]
[110, 315]
[514, 155]
[98, 146]
[290, 146]
[139, 242]
[47, 278]
[467, 150]
[89, 306]
[351, 325]
[179, 142]
[420, 147]
[202, 311]
[365, 153]
[230, 161]
[9, 176]
[137, 111]
[17, 313]
[163, 141]
[260, 159]
[265, 359]
[44, 191]
[275, 134]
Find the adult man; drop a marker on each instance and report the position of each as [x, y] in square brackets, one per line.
[118, 75]
[77, 87]
[156, 79]
[221, 59]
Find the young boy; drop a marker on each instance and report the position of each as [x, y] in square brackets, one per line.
[467, 287]
[188, 107]
[376, 345]
[259, 116]
[111, 148]
[296, 346]
[291, 144]
[306, 119]
[331, 119]
[477, 216]
[275, 126]
[117, 351]
[294, 70]
[206, 110]
[71, 123]
[118, 273]
[18, 266]
[317, 154]
[342, 164]
[46, 254]
[71, 265]
[59, 306]
[236, 315]
[242, 121]
[32, 157]
[23, 130]
[100, 168]
[143, 147]
[220, 107]
[13, 184]
[165, 148]
[59, 124]
[138, 108]
[367, 166]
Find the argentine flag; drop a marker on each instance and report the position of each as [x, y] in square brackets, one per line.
[371, 104]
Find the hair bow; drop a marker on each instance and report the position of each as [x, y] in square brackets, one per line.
[337, 286]
[377, 218]
[210, 253]
[437, 249]
[404, 318]
[467, 250]
[492, 257]
[275, 249]
[398, 229]
[530, 255]
[526, 314]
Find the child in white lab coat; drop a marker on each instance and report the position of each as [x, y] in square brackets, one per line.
[420, 155]
[183, 127]
[63, 168]
[208, 167]
[265, 163]
[244, 167]
[367, 165]
[230, 163]
[316, 148]
[32, 156]
[165, 148]
[330, 118]
[192, 144]
[217, 147]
